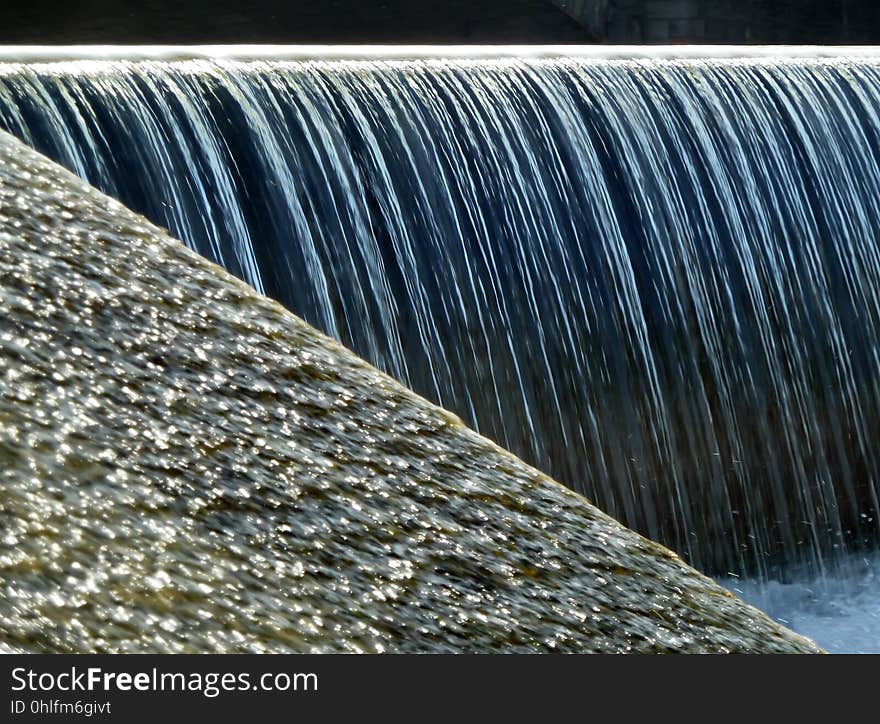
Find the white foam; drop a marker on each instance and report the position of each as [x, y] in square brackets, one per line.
[840, 612]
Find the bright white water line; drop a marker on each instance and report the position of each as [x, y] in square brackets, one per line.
[52, 53]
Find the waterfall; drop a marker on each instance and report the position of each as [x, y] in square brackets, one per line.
[654, 279]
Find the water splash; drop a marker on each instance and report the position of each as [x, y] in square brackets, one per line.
[841, 613]
[656, 280]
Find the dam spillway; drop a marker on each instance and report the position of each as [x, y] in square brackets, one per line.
[653, 278]
[187, 467]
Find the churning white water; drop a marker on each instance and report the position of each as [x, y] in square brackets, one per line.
[840, 611]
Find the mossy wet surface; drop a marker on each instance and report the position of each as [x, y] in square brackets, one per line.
[187, 467]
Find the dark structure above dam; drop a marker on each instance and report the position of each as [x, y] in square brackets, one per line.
[270, 21]
[788, 22]
[443, 21]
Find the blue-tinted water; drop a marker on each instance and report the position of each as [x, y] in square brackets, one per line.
[656, 280]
